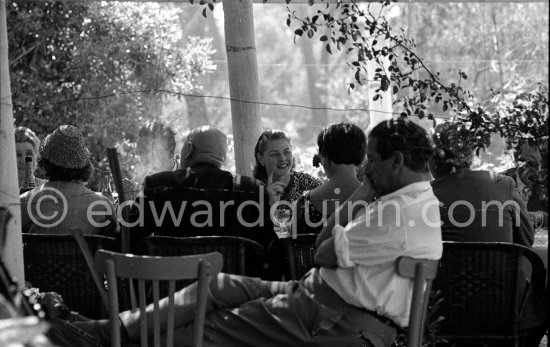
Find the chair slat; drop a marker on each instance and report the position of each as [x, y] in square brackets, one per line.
[113, 302]
[142, 317]
[123, 265]
[422, 271]
[156, 314]
[204, 274]
[407, 267]
[162, 269]
[171, 312]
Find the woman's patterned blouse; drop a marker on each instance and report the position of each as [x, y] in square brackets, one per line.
[299, 183]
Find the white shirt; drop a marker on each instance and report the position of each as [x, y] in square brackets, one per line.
[405, 222]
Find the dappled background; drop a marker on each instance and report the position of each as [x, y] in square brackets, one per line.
[110, 67]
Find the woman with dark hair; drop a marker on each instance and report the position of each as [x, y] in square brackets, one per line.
[274, 163]
[342, 149]
[64, 201]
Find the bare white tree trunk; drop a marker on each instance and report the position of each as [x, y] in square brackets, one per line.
[9, 188]
[242, 68]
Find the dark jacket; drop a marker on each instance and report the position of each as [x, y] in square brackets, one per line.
[203, 176]
[202, 201]
[506, 216]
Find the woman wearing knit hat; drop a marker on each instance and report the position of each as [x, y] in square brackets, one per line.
[64, 201]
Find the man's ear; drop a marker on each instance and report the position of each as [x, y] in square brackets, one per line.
[398, 159]
[189, 150]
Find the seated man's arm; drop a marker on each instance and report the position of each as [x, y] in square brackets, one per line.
[325, 254]
[362, 196]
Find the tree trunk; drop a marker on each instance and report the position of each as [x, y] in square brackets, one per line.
[242, 68]
[9, 187]
[319, 117]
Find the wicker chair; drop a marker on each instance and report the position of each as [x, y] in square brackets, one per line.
[240, 256]
[201, 212]
[55, 263]
[295, 254]
[482, 286]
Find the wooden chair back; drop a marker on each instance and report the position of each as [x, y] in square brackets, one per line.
[151, 271]
[422, 271]
[5, 217]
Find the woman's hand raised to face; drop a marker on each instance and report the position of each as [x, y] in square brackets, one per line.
[275, 189]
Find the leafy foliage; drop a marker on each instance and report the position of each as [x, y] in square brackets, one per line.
[362, 32]
[66, 69]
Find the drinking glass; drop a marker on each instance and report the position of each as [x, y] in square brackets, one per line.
[282, 216]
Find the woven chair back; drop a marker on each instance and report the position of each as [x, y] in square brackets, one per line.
[240, 256]
[300, 252]
[482, 287]
[54, 263]
[204, 212]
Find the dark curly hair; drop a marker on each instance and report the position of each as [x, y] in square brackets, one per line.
[57, 173]
[406, 137]
[259, 172]
[343, 143]
[454, 146]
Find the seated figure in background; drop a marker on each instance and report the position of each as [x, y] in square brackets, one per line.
[64, 201]
[26, 144]
[156, 146]
[356, 298]
[479, 205]
[202, 156]
[342, 149]
[201, 181]
[532, 157]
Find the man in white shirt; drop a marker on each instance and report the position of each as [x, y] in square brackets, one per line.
[358, 261]
[356, 298]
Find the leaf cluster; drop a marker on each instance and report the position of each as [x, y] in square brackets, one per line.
[362, 32]
[99, 66]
